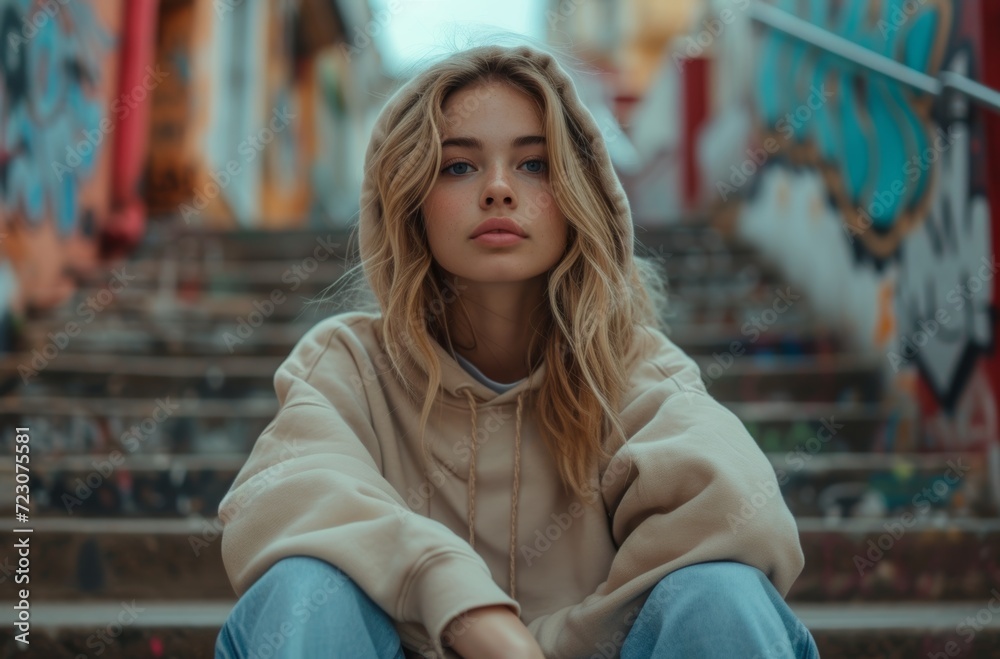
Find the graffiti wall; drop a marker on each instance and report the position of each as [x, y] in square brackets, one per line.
[232, 127]
[880, 194]
[58, 112]
[75, 78]
[187, 108]
[346, 76]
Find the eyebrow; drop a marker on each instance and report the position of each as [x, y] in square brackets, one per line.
[475, 143]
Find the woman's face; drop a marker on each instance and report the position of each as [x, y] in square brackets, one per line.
[494, 164]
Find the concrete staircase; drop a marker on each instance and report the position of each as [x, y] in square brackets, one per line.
[142, 408]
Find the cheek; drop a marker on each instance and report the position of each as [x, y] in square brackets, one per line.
[540, 205]
[551, 213]
[562, 233]
[433, 212]
[441, 207]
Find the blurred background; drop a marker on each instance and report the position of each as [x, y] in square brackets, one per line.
[819, 179]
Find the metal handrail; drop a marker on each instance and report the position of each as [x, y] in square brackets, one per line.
[805, 31]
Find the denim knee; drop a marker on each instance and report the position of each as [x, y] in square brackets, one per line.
[305, 607]
[706, 599]
[297, 588]
[713, 579]
[304, 584]
[725, 588]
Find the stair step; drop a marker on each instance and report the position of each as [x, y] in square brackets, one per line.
[840, 485]
[64, 424]
[187, 629]
[127, 336]
[291, 280]
[904, 463]
[904, 630]
[145, 336]
[817, 617]
[157, 635]
[329, 263]
[727, 377]
[933, 559]
[792, 382]
[209, 309]
[152, 634]
[187, 243]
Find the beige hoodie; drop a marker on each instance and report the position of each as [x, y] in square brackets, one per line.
[337, 475]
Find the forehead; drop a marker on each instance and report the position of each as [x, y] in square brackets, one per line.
[491, 105]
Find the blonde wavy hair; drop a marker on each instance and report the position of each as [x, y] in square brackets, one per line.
[598, 294]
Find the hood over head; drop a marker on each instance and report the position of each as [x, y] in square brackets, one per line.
[594, 159]
[585, 134]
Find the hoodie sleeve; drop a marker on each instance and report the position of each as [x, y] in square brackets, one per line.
[690, 485]
[313, 486]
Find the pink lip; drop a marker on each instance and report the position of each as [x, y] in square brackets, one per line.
[498, 239]
[499, 224]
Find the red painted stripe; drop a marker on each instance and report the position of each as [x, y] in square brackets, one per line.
[990, 58]
[695, 114]
[127, 222]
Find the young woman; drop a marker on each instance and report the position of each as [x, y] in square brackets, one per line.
[504, 456]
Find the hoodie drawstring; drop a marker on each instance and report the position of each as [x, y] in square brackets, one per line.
[514, 492]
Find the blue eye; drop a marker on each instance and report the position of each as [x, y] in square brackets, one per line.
[541, 166]
[455, 164]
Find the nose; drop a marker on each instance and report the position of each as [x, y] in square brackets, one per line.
[497, 190]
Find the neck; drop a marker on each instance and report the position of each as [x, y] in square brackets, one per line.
[494, 327]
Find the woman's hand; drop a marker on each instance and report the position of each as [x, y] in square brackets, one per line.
[491, 632]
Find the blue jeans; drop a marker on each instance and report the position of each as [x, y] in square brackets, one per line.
[303, 608]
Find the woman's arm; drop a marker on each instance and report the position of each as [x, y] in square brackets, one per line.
[689, 486]
[312, 485]
[491, 632]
